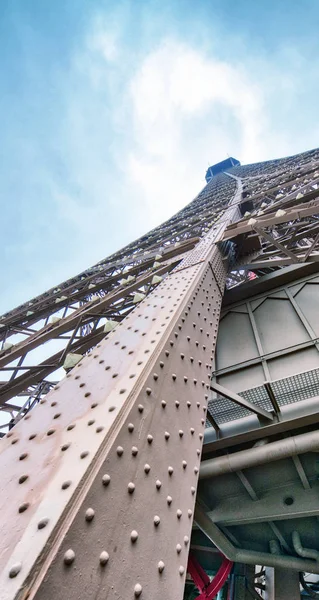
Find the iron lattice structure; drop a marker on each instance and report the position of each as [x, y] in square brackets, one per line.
[100, 480]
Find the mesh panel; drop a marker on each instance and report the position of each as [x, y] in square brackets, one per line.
[286, 391]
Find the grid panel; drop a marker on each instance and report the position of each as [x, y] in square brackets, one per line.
[287, 391]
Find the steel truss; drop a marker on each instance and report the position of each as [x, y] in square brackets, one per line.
[99, 481]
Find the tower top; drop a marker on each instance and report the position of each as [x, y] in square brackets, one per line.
[220, 167]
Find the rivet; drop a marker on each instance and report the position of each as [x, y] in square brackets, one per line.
[190, 513]
[119, 450]
[186, 539]
[193, 490]
[32, 436]
[158, 484]
[134, 536]
[23, 507]
[157, 520]
[89, 514]
[170, 470]
[163, 403]
[134, 450]
[106, 479]
[99, 429]
[179, 513]
[195, 381]
[185, 379]
[166, 435]
[23, 456]
[169, 500]
[200, 435]
[181, 433]
[137, 590]
[177, 403]
[184, 463]
[104, 558]
[69, 557]
[166, 353]
[192, 430]
[182, 356]
[161, 566]
[91, 422]
[130, 487]
[178, 548]
[51, 432]
[181, 570]
[23, 478]
[140, 408]
[161, 364]
[84, 454]
[130, 427]
[148, 391]
[173, 376]
[195, 470]
[155, 377]
[43, 523]
[65, 485]
[198, 404]
[149, 438]
[15, 570]
[70, 426]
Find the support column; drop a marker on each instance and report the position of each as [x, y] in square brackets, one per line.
[102, 475]
[282, 584]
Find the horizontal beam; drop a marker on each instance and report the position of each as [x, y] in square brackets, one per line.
[255, 456]
[250, 557]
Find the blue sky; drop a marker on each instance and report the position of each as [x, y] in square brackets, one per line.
[111, 112]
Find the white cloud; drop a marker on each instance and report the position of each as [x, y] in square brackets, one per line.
[186, 108]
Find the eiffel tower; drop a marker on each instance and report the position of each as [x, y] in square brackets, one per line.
[159, 411]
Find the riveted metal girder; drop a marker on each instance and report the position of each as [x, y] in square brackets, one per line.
[99, 481]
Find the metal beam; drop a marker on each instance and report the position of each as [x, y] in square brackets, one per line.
[240, 401]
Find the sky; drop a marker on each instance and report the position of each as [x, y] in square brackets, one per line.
[111, 112]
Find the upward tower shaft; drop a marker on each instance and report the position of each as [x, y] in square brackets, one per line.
[99, 480]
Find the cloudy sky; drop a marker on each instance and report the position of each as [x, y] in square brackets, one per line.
[111, 112]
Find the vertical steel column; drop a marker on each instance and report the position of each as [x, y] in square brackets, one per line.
[99, 481]
[282, 584]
